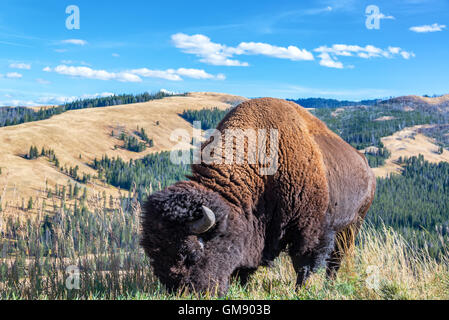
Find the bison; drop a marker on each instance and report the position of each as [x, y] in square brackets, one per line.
[229, 219]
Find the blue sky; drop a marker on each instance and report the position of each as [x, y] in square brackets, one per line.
[286, 49]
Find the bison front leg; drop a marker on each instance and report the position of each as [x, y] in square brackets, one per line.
[317, 258]
[303, 266]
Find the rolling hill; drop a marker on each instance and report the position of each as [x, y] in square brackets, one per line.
[413, 102]
[77, 137]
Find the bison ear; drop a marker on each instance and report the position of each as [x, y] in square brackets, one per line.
[204, 224]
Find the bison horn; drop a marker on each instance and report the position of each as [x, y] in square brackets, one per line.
[206, 222]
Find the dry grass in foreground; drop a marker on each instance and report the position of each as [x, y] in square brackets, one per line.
[381, 266]
[102, 240]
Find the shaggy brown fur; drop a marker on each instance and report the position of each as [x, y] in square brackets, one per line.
[322, 187]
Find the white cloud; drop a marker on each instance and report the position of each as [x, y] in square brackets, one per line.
[13, 75]
[208, 51]
[198, 74]
[133, 75]
[115, 55]
[97, 95]
[329, 55]
[126, 77]
[17, 103]
[407, 55]
[77, 42]
[161, 74]
[428, 28]
[57, 100]
[167, 91]
[291, 52]
[221, 55]
[85, 72]
[394, 50]
[23, 66]
[46, 99]
[176, 75]
[89, 73]
[327, 61]
[50, 100]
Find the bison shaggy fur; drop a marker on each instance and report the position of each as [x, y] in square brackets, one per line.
[312, 206]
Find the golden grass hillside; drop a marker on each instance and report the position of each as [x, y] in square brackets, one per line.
[409, 143]
[79, 136]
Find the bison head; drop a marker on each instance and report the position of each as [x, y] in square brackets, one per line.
[188, 233]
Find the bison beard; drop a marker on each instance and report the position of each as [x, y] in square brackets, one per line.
[228, 220]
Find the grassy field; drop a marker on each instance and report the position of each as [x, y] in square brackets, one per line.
[104, 246]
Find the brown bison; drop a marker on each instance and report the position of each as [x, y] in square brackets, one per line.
[229, 219]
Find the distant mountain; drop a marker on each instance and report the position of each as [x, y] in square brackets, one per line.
[332, 103]
[407, 103]
[440, 104]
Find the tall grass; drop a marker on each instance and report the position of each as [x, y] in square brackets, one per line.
[103, 243]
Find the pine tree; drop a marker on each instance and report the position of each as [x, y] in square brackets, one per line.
[85, 194]
[30, 204]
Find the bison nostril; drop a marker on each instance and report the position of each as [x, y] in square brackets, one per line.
[193, 258]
